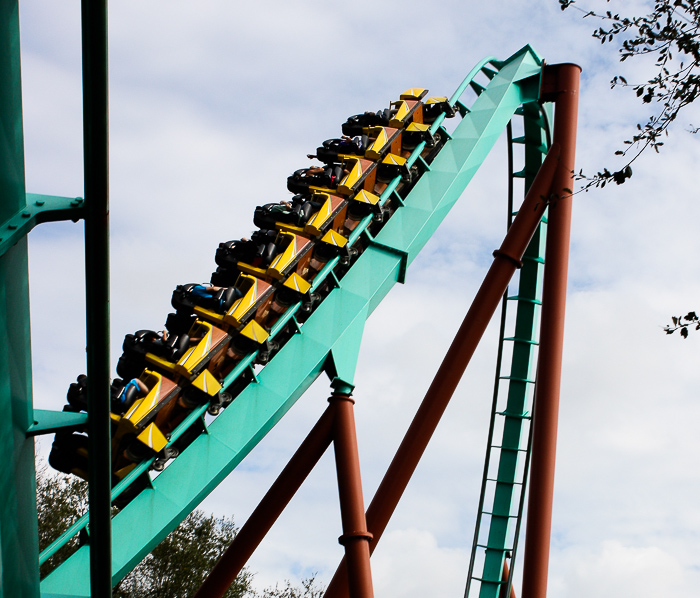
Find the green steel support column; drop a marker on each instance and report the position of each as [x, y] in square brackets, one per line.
[18, 528]
[95, 147]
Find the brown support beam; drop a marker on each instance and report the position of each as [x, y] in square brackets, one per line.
[560, 84]
[504, 589]
[506, 261]
[355, 537]
[337, 425]
[271, 506]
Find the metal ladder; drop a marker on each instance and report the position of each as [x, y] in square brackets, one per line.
[506, 465]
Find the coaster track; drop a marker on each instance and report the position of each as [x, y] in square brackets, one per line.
[306, 340]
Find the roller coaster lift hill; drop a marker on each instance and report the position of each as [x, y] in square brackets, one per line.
[283, 307]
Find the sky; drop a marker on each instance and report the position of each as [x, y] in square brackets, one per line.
[213, 104]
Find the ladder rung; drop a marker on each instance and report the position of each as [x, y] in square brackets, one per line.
[490, 581]
[513, 415]
[516, 379]
[521, 174]
[515, 339]
[544, 218]
[498, 548]
[502, 482]
[542, 148]
[499, 515]
[526, 299]
[509, 448]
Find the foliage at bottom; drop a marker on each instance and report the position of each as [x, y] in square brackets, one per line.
[177, 566]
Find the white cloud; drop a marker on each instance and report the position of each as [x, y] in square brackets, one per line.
[614, 569]
[410, 562]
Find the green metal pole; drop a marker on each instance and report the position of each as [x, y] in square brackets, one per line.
[95, 135]
[19, 570]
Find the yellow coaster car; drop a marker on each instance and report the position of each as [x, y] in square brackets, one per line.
[329, 216]
[434, 106]
[409, 108]
[141, 431]
[347, 176]
[356, 146]
[397, 115]
[361, 174]
[387, 139]
[206, 347]
[318, 177]
[325, 211]
[229, 307]
[291, 254]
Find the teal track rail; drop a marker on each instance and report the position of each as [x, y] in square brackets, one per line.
[329, 340]
[507, 455]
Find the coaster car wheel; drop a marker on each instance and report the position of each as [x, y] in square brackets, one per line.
[267, 351]
[136, 451]
[221, 400]
[169, 452]
[308, 305]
